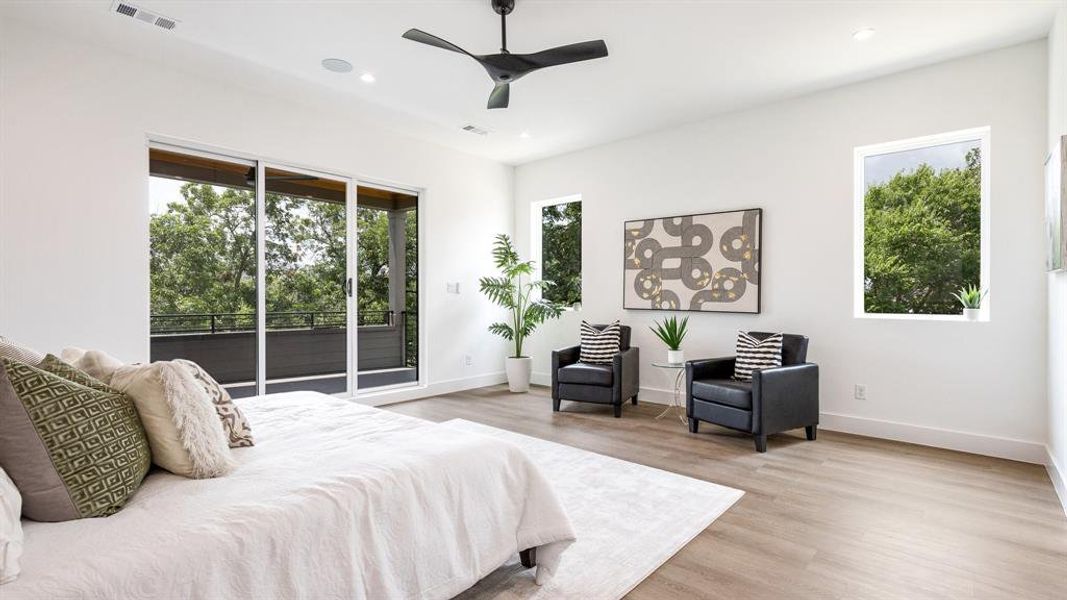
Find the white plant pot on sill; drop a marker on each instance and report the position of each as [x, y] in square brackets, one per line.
[972, 313]
[676, 357]
[518, 370]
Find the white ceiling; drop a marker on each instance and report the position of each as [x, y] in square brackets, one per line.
[671, 61]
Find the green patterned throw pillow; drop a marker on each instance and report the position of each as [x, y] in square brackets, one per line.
[73, 450]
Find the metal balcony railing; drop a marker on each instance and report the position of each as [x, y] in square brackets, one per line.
[190, 323]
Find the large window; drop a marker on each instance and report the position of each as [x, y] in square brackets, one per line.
[556, 242]
[921, 224]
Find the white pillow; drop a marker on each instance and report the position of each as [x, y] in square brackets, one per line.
[179, 419]
[98, 364]
[10, 529]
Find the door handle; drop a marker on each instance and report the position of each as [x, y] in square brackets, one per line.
[348, 287]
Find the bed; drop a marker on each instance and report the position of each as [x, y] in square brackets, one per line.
[336, 500]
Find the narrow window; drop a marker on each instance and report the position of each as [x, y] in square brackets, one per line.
[557, 246]
[922, 224]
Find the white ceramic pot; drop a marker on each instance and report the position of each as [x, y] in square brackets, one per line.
[676, 357]
[518, 370]
[972, 313]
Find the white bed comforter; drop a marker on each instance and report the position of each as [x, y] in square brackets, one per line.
[336, 500]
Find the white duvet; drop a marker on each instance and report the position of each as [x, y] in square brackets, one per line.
[336, 500]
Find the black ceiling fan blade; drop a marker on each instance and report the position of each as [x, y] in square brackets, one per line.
[417, 35]
[500, 96]
[571, 53]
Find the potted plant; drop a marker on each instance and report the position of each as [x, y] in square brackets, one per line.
[672, 332]
[971, 298]
[524, 314]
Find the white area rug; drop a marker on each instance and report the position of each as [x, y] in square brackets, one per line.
[629, 519]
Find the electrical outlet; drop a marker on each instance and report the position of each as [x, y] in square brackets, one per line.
[860, 392]
[468, 360]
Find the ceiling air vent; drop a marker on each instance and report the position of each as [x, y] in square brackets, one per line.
[125, 8]
[475, 129]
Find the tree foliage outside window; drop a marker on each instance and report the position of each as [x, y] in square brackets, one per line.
[203, 255]
[561, 252]
[922, 238]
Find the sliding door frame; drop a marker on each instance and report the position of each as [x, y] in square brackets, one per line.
[261, 164]
[421, 372]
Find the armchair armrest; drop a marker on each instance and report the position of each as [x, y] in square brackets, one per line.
[710, 368]
[561, 358]
[627, 376]
[785, 398]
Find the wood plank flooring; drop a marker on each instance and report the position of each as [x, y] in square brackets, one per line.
[842, 517]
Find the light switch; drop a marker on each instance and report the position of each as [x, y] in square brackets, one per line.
[452, 287]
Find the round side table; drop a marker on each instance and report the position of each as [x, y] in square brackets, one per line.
[679, 377]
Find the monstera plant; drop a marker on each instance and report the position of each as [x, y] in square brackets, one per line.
[525, 310]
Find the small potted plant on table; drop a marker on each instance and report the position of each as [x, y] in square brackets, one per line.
[672, 331]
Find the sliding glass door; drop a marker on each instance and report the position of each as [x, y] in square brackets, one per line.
[306, 281]
[276, 278]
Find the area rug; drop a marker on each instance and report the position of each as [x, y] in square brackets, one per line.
[629, 519]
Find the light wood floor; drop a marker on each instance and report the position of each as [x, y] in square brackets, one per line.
[841, 517]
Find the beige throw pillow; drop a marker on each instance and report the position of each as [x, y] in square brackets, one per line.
[10, 349]
[234, 423]
[178, 417]
[96, 363]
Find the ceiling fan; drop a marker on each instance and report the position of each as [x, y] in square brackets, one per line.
[506, 67]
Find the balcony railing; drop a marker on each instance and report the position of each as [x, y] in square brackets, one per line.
[167, 324]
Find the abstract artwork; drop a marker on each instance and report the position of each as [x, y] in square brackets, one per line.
[708, 262]
[1056, 206]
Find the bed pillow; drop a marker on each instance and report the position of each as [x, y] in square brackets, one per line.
[10, 349]
[10, 529]
[73, 451]
[97, 364]
[234, 423]
[57, 366]
[179, 419]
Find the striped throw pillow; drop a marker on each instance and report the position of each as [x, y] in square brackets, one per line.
[599, 345]
[755, 354]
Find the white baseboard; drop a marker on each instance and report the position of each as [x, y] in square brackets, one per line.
[447, 386]
[1058, 477]
[986, 445]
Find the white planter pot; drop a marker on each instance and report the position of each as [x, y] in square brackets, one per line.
[972, 313]
[518, 370]
[676, 357]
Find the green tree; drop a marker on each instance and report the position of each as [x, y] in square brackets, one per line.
[561, 251]
[922, 239]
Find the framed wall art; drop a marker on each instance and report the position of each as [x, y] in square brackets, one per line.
[708, 262]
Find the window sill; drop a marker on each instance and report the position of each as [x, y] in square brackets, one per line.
[902, 317]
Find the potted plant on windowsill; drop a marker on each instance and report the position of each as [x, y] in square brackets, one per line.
[971, 298]
[672, 331]
[524, 314]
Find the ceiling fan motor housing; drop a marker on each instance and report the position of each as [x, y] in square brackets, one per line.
[503, 7]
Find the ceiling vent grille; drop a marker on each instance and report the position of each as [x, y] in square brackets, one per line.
[475, 130]
[129, 10]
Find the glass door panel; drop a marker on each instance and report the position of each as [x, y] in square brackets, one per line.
[306, 282]
[203, 264]
[387, 296]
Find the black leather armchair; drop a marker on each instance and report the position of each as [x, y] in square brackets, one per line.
[776, 400]
[603, 384]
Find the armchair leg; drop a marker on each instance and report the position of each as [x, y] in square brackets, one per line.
[634, 400]
[694, 425]
[555, 405]
[618, 410]
[811, 430]
[761, 443]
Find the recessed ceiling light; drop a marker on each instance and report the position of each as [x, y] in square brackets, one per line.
[862, 35]
[525, 135]
[367, 78]
[336, 65]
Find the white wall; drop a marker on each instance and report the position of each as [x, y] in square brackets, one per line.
[972, 386]
[1057, 282]
[74, 193]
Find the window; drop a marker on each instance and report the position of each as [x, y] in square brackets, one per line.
[556, 245]
[921, 225]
